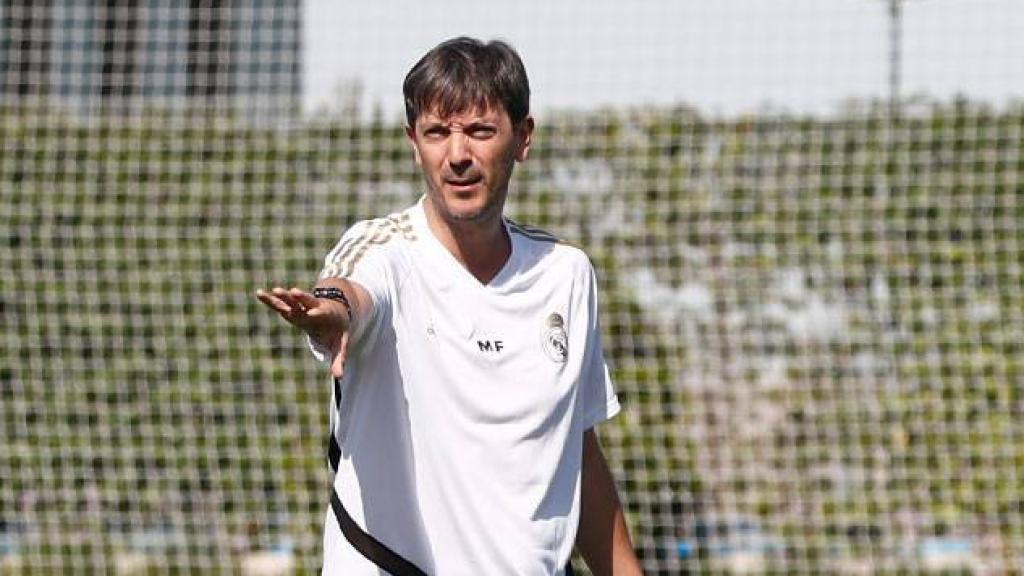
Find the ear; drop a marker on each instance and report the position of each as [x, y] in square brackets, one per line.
[524, 132]
[410, 133]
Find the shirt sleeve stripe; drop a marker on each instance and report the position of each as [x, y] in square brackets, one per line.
[532, 233]
[343, 259]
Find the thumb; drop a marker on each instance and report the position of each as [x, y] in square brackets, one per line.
[338, 363]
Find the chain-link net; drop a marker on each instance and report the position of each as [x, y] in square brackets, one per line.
[815, 323]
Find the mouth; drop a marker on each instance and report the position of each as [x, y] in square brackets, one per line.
[463, 184]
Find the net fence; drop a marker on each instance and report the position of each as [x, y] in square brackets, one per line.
[814, 321]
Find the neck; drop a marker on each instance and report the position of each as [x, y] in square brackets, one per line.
[481, 246]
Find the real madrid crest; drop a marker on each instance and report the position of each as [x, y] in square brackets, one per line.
[554, 339]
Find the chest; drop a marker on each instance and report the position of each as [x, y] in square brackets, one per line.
[508, 358]
[518, 329]
[511, 347]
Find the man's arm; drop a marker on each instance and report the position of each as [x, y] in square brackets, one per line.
[603, 537]
[330, 323]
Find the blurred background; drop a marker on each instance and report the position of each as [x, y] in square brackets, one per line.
[806, 217]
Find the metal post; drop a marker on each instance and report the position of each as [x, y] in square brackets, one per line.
[895, 55]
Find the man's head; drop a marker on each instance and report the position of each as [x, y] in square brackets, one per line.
[462, 74]
[467, 106]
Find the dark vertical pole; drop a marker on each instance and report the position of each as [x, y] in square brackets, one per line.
[895, 56]
[119, 45]
[25, 44]
[210, 59]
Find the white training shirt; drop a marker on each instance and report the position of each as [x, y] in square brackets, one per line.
[463, 406]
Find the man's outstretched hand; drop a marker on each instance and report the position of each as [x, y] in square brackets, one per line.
[326, 321]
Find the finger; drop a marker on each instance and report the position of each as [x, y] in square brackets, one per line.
[307, 300]
[272, 301]
[338, 366]
[284, 296]
[296, 305]
[288, 307]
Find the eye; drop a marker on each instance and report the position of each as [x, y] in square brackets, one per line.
[435, 132]
[482, 131]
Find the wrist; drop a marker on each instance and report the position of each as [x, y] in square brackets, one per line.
[335, 294]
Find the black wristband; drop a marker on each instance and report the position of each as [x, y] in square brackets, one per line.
[338, 295]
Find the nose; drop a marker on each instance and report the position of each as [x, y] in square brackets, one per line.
[459, 158]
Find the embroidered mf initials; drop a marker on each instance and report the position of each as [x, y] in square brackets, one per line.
[490, 345]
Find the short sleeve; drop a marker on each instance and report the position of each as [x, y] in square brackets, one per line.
[600, 402]
[359, 257]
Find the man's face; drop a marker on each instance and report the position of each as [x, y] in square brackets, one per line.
[467, 160]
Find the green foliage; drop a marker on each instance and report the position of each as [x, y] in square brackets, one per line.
[136, 364]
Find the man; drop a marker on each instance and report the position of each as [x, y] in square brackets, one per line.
[467, 357]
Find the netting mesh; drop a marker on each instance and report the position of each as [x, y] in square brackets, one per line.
[815, 323]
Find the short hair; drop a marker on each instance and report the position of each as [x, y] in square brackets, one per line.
[464, 73]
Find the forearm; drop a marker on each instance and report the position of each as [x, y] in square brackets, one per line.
[347, 302]
[603, 537]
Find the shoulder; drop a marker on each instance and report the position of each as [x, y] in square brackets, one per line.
[550, 250]
[393, 226]
[532, 233]
[375, 238]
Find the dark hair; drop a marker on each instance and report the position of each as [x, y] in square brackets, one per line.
[463, 73]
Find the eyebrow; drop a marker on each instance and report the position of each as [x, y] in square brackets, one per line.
[472, 123]
[489, 116]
